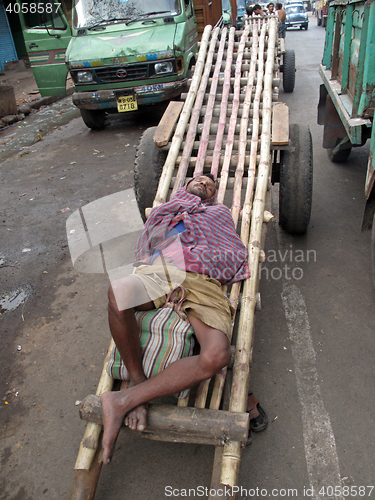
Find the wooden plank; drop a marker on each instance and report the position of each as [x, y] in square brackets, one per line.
[282, 45]
[280, 124]
[167, 123]
[208, 426]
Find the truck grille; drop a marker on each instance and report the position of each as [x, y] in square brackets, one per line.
[115, 74]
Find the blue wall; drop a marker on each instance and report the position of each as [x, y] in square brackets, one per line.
[7, 49]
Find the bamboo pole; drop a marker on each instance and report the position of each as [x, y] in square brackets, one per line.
[90, 440]
[246, 67]
[246, 212]
[212, 147]
[232, 122]
[208, 164]
[162, 192]
[220, 377]
[232, 450]
[210, 105]
[219, 98]
[201, 397]
[257, 51]
[192, 130]
[224, 105]
[235, 291]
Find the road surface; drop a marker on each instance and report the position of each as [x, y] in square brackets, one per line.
[313, 365]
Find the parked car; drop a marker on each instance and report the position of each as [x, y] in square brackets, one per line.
[296, 15]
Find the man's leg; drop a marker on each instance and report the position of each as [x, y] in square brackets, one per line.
[124, 330]
[187, 372]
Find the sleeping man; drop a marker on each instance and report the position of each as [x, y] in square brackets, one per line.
[213, 255]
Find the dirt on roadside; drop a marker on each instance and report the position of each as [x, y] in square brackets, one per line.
[19, 76]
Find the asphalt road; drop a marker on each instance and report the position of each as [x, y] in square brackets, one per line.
[313, 356]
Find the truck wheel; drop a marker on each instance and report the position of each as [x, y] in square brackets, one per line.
[373, 250]
[93, 118]
[319, 21]
[289, 70]
[296, 178]
[340, 156]
[148, 165]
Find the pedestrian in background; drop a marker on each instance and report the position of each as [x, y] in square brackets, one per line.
[282, 16]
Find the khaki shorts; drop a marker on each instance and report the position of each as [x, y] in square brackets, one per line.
[204, 297]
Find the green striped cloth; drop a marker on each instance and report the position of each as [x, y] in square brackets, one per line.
[165, 337]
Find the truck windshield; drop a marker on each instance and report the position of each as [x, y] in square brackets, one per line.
[89, 13]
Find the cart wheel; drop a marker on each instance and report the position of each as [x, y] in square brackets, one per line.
[93, 118]
[148, 165]
[340, 156]
[296, 176]
[373, 250]
[289, 70]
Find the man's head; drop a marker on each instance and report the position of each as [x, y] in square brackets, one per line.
[203, 186]
[279, 6]
[271, 7]
[257, 9]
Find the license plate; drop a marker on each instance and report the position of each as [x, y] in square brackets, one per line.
[127, 103]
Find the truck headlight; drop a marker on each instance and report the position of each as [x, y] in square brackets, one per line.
[163, 67]
[84, 76]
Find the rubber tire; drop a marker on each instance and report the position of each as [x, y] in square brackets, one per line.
[324, 22]
[296, 181]
[373, 251]
[148, 165]
[93, 118]
[319, 21]
[340, 157]
[289, 70]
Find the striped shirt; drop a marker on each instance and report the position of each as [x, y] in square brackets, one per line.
[210, 244]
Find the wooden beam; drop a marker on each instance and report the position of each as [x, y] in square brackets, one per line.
[167, 123]
[280, 124]
[186, 425]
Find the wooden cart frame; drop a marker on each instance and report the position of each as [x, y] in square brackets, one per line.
[232, 107]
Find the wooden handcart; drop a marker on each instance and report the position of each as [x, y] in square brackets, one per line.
[231, 125]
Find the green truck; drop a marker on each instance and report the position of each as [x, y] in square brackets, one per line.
[121, 54]
[347, 95]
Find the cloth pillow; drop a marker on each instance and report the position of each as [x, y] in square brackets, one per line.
[165, 335]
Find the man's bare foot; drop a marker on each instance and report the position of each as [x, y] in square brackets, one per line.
[137, 419]
[113, 416]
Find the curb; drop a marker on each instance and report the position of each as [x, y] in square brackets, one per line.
[45, 101]
[24, 110]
